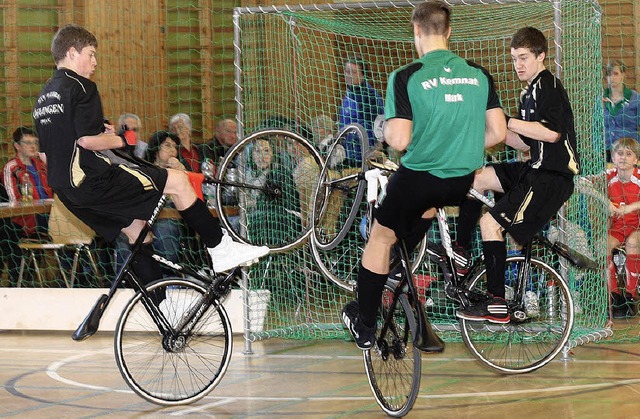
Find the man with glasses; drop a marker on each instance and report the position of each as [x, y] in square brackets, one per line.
[25, 179]
[131, 122]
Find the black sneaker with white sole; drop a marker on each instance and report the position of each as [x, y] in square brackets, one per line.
[492, 309]
[363, 335]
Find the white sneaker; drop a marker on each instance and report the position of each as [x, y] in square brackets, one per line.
[531, 306]
[229, 254]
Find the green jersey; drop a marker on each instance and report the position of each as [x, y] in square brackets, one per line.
[445, 97]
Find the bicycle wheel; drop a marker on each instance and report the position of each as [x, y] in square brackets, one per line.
[394, 365]
[339, 192]
[340, 265]
[284, 168]
[173, 370]
[522, 346]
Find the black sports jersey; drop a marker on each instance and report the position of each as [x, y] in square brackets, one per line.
[546, 101]
[67, 109]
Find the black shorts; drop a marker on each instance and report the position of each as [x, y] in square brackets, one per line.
[410, 193]
[532, 197]
[111, 202]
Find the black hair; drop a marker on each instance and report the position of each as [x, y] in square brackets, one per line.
[532, 38]
[21, 132]
[360, 62]
[156, 140]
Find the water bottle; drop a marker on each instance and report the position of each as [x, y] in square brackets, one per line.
[209, 190]
[552, 299]
[231, 192]
[26, 190]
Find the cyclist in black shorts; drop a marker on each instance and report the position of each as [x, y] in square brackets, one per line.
[443, 110]
[113, 198]
[533, 190]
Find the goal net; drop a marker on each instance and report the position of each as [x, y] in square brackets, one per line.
[291, 69]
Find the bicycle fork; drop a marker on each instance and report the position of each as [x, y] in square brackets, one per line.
[425, 338]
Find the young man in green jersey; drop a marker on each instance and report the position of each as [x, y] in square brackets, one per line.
[437, 107]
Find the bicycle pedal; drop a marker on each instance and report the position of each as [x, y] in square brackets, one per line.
[519, 315]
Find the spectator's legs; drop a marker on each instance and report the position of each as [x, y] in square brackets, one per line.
[612, 243]
[633, 262]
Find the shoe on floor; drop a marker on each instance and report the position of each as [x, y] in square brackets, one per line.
[363, 335]
[493, 309]
[229, 254]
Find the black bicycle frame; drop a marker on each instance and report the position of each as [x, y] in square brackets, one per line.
[90, 324]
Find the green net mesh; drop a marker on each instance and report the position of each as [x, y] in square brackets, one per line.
[178, 56]
[293, 63]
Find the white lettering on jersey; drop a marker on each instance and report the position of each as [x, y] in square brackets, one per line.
[453, 98]
[459, 80]
[429, 84]
[56, 108]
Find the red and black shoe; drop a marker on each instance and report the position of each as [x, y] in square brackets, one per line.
[493, 309]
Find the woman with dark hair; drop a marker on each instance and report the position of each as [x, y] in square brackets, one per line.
[163, 150]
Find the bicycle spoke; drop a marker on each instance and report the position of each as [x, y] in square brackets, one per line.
[393, 365]
[180, 367]
[525, 345]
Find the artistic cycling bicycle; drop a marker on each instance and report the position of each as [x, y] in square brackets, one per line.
[173, 340]
[535, 335]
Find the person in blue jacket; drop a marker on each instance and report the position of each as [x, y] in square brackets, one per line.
[361, 104]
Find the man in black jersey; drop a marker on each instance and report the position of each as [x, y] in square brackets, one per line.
[112, 198]
[533, 190]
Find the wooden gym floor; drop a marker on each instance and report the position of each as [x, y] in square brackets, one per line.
[47, 375]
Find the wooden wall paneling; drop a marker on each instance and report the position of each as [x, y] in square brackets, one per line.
[223, 56]
[130, 74]
[619, 36]
[71, 11]
[207, 62]
[636, 31]
[12, 81]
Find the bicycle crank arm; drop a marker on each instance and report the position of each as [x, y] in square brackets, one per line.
[90, 324]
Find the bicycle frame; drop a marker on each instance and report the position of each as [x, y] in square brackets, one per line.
[215, 290]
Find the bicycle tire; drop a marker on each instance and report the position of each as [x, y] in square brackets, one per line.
[260, 218]
[522, 347]
[394, 365]
[340, 265]
[336, 203]
[194, 368]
